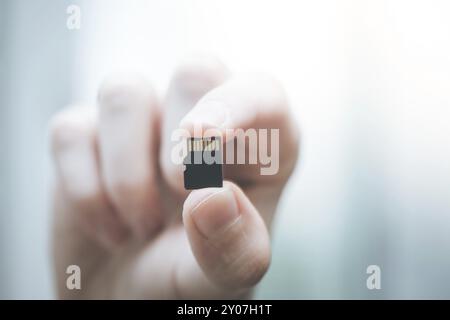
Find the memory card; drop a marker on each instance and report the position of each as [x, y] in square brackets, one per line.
[203, 163]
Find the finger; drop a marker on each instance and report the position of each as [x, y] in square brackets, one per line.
[74, 151]
[129, 144]
[228, 238]
[254, 107]
[192, 79]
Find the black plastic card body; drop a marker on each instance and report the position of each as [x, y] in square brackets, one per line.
[203, 163]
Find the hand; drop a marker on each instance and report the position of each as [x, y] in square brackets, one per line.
[120, 210]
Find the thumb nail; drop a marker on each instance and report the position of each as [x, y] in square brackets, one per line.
[212, 209]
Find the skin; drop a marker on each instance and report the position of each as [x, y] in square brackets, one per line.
[120, 211]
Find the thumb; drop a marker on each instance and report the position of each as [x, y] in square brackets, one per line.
[227, 235]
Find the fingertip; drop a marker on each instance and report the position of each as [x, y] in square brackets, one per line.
[211, 210]
[197, 74]
[207, 115]
[227, 236]
[117, 89]
[72, 124]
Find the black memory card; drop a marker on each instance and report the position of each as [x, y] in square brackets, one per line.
[203, 163]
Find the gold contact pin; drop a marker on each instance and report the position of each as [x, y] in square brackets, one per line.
[206, 144]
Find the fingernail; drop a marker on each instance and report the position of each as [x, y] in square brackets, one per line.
[213, 114]
[212, 210]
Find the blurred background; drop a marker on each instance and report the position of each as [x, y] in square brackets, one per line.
[369, 82]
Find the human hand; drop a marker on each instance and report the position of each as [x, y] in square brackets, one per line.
[118, 197]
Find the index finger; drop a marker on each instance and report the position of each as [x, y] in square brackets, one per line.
[252, 115]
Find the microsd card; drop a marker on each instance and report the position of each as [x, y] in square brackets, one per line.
[203, 163]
